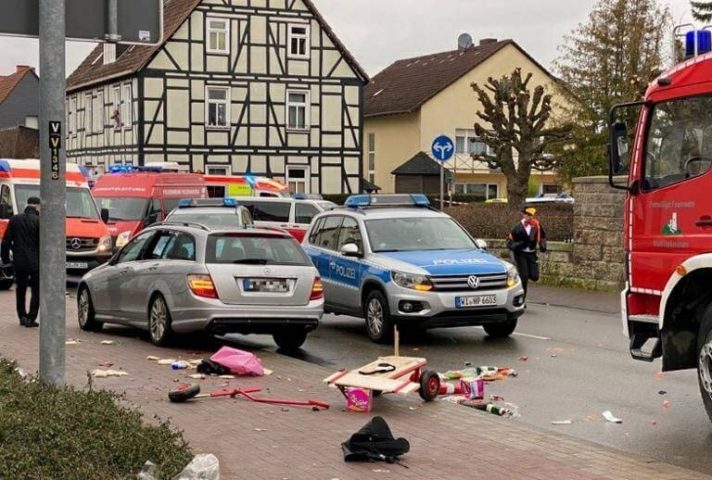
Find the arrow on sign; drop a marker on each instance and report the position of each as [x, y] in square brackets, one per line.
[444, 149]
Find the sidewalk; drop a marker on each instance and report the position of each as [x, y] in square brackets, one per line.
[255, 441]
[605, 302]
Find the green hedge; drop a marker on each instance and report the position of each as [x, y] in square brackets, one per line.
[48, 432]
[492, 220]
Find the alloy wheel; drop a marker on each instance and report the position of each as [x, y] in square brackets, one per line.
[374, 317]
[705, 367]
[83, 307]
[159, 318]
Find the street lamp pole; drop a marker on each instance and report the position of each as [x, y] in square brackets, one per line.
[52, 191]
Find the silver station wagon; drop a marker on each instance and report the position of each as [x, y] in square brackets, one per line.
[173, 279]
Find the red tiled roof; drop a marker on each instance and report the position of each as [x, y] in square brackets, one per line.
[9, 82]
[407, 84]
[92, 70]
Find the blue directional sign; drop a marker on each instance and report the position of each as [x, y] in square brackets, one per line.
[443, 148]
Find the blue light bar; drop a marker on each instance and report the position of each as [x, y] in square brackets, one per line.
[358, 201]
[420, 200]
[229, 202]
[185, 203]
[5, 166]
[703, 40]
[403, 200]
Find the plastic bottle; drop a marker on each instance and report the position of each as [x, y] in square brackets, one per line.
[180, 365]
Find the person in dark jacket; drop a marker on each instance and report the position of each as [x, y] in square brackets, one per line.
[525, 238]
[22, 238]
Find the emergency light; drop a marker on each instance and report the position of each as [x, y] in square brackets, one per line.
[207, 202]
[362, 201]
[701, 38]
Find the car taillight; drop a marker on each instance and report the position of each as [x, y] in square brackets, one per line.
[317, 291]
[202, 286]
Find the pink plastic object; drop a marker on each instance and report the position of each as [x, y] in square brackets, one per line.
[239, 362]
[473, 389]
[358, 399]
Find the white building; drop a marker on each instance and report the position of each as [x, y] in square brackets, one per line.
[258, 86]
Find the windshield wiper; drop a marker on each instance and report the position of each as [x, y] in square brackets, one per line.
[392, 250]
[83, 217]
[252, 261]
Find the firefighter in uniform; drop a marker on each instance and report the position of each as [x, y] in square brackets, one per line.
[525, 238]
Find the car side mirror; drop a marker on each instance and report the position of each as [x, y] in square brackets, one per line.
[105, 215]
[619, 151]
[151, 219]
[481, 244]
[350, 250]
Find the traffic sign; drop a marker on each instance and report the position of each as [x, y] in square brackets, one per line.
[443, 148]
[137, 21]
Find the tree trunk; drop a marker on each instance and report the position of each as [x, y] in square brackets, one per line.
[516, 191]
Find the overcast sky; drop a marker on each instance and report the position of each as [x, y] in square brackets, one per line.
[379, 32]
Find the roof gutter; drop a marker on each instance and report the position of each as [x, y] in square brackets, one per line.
[100, 80]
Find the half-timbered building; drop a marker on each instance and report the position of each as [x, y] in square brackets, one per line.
[236, 86]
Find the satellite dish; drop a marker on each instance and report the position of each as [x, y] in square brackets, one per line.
[464, 41]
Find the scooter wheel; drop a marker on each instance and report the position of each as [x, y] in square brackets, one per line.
[183, 392]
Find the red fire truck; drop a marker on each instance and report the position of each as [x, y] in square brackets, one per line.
[665, 163]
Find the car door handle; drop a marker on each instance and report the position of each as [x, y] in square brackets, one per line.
[124, 271]
[705, 221]
[153, 267]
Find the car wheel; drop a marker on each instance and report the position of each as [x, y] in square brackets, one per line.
[704, 360]
[379, 324]
[501, 330]
[85, 312]
[184, 392]
[429, 385]
[6, 284]
[290, 339]
[159, 322]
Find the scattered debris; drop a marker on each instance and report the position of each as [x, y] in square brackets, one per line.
[610, 417]
[358, 399]
[562, 422]
[496, 398]
[660, 375]
[197, 376]
[108, 373]
[227, 377]
[106, 364]
[553, 355]
[72, 341]
[166, 361]
[238, 361]
[267, 372]
[374, 442]
[653, 422]
[180, 365]
[511, 410]
[152, 358]
[107, 342]
[204, 466]
[662, 392]
[380, 470]
[523, 358]
[21, 372]
[260, 429]
[667, 404]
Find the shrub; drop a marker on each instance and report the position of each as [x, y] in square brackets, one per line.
[49, 432]
[495, 220]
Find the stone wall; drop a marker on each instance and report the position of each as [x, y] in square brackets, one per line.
[595, 258]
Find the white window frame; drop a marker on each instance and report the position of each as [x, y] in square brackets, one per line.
[469, 137]
[306, 181]
[88, 114]
[307, 109]
[98, 113]
[487, 188]
[127, 106]
[220, 170]
[371, 166]
[225, 31]
[301, 36]
[116, 106]
[72, 114]
[208, 102]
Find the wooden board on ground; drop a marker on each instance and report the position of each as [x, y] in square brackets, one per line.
[397, 380]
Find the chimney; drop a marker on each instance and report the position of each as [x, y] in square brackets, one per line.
[487, 41]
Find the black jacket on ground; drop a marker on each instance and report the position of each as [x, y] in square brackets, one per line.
[519, 240]
[22, 237]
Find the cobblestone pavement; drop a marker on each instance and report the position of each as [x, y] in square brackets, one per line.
[255, 441]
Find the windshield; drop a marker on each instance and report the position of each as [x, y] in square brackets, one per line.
[254, 250]
[410, 234]
[80, 203]
[679, 142]
[213, 220]
[121, 209]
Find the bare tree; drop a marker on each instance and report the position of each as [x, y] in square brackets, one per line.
[517, 119]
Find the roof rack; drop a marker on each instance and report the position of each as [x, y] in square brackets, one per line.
[417, 200]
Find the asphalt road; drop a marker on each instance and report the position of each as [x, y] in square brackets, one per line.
[577, 366]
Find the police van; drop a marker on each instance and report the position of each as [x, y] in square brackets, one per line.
[392, 259]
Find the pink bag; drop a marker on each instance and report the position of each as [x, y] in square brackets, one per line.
[239, 362]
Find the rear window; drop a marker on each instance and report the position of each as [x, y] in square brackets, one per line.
[268, 211]
[214, 220]
[254, 250]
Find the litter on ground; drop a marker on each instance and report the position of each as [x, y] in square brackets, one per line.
[197, 376]
[608, 415]
[152, 358]
[72, 341]
[108, 373]
[107, 342]
[562, 422]
[166, 361]
[667, 404]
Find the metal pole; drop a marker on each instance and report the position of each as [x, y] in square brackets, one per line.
[112, 34]
[52, 192]
[442, 186]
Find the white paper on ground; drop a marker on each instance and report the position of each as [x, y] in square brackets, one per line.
[610, 417]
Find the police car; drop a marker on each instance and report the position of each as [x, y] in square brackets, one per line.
[392, 259]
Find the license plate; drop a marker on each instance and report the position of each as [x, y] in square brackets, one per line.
[477, 301]
[265, 285]
[77, 265]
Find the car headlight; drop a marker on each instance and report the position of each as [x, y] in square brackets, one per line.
[104, 244]
[512, 276]
[412, 281]
[123, 238]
